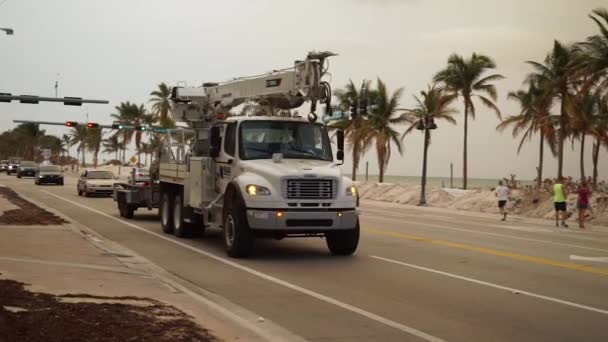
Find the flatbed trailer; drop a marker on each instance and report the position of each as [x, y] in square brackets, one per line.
[132, 196]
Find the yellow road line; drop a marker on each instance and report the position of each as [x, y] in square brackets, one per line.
[510, 255]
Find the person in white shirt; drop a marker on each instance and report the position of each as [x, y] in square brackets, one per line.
[502, 192]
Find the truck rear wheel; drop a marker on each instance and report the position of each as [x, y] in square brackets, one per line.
[238, 237]
[180, 227]
[343, 242]
[166, 221]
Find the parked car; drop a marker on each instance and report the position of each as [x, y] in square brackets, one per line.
[49, 174]
[139, 175]
[12, 167]
[96, 182]
[3, 165]
[27, 169]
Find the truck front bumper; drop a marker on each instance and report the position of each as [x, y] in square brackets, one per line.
[298, 220]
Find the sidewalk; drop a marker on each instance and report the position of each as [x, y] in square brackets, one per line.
[512, 217]
[112, 294]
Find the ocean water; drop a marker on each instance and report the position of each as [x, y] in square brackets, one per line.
[473, 183]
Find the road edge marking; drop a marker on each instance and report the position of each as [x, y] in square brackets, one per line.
[586, 258]
[500, 287]
[321, 297]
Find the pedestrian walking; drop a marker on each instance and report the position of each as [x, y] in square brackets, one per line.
[559, 202]
[582, 203]
[502, 192]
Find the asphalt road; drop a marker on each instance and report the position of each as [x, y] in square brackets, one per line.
[418, 274]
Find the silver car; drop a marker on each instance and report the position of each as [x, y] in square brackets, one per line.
[96, 182]
[139, 175]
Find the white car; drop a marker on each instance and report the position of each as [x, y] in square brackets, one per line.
[96, 182]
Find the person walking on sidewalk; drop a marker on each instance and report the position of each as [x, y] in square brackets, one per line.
[559, 201]
[502, 192]
[582, 203]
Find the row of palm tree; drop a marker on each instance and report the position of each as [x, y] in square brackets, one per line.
[128, 114]
[575, 78]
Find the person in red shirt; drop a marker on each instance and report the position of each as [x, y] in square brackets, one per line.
[582, 203]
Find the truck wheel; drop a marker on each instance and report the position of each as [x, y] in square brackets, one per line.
[238, 238]
[181, 229]
[166, 221]
[129, 211]
[343, 242]
[18, 175]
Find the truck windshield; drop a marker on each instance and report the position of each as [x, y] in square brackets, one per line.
[295, 140]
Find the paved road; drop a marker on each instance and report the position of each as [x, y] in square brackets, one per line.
[418, 274]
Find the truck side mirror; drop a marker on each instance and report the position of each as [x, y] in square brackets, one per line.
[340, 143]
[215, 142]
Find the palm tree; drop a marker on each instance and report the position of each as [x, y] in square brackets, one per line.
[125, 116]
[556, 76]
[30, 135]
[379, 127]
[67, 142]
[79, 137]
[355, 133]
[433, 106]
[600, 133]
[466, 78]
[112, 145]
[93, 143]
[535, 104]
[161, 104]
[595, 48]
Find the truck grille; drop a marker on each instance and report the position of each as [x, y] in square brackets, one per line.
[308, 189]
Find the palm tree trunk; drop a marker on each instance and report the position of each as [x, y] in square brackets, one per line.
[83, 157]
[562, 136]
[464, 152]
[583, 157]
[355, 160]
[595, 157]
[539, 182]
[424, 161]
[381, 157]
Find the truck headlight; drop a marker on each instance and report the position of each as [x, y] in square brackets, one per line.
[351, 191]
[257, 190]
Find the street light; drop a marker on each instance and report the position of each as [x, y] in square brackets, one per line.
[426, 124]
[9, 31]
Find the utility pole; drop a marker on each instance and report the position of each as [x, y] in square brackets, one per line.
[366, 171]
[451, 175]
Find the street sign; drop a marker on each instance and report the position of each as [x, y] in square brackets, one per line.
[46, 153]
[133, 160]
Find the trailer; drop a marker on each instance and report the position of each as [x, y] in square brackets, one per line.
[131, 196]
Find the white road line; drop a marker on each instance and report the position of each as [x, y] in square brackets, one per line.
[586, 258]
[267, 277]
[487, 233]
[496, 286]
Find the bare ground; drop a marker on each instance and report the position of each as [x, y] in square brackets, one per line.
[28, 213]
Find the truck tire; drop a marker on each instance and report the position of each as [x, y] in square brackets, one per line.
[181, 228]
[343, 242]
[166, 221]
[129, 211]
[238, 237]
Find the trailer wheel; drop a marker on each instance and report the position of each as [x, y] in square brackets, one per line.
[181, 229]
[129, 211]
[165, 213]
[343, 242]
[238, 237]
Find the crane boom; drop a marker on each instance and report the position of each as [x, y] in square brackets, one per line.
[284, 89]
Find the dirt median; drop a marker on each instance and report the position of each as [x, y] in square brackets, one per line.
[27, 214]
[31, 316]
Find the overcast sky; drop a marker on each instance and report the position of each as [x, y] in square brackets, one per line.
[120, 50]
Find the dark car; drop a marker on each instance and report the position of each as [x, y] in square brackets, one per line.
[49, 174]
[3, 165]
[27, 169]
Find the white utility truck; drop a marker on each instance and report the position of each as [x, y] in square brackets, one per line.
[257, 176]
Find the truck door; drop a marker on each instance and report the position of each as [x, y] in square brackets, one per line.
[226, 169]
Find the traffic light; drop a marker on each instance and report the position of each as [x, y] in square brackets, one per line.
[29, 99]
[117, 126]
[92, 125]
[140, 128]
[5, 94]
[363, 106]
[72, 101]
[71, 123]
[353, 110]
